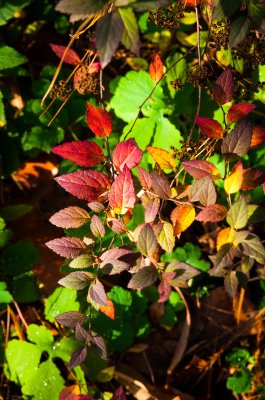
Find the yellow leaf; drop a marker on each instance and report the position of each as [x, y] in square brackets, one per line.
[162, 157]
[233, 182]
[225, 236]
[166, 237]
[182, 217]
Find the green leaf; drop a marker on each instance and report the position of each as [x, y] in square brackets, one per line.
[130, 36]
[239, 30]
[5, 296]
[5, 237]
[40, 335]
[59, 302]
[9, 8]
[224, 8]
[166, 135]
[25, 288]
[136, 86]
[15, 211]
[142, 131]
[253, 248]
[189, 254]
[19, 257]
[237, 216]
[42, 138]
[238, 357]
[10, 58]
[241, 381]
[169, 317]
[2, 111]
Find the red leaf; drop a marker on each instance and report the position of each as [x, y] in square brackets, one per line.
[94, 68]
[109, 309]
[69, 393]
[85, 154]
[70, 217]
[126, 153]
[239, 111]
[156, 68]
[151, 210]
[236, 143]
[210, 127]
[71, 57]
[122, 194]
[224, 87]
[200, 168]
[87, 185]
[69, 247]
[213, 213]
[164, 290]
[144, 178]
[191, 3]
[258, 136]
[252, 177]
[98, 120]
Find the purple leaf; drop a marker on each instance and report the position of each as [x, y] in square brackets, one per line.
[78, 357]
[115, 254]
[112, 267]
[160, 186]
[203, 190]
[99, 346]
[69, 247]
[97, 293]
[119, 394]
[70, 318]
[236, 144]
[145, 277]
[82, 334]
[224, 87]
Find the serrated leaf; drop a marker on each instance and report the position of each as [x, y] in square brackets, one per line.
[210, 127]
[160, 186]
[81, 334]
[130, 37]
[144, 178]
[146, 241]
[239, 30]
[108, 35]
[200, 168]
[109, 309]
[122, 194]
[98, 120]
[69, 247]
[237, 216]
[71, 56]
[182, 217]
[166, 237]
[87, 185]
[236, 144]
[224, 258]
[252, 177]
[115, 254]
[78, 8]
[233, 182]
[224, 87]
[96, 207]
[97, 228]
[258, 136]
[203, 190]
[70, 217]
[253, 248]
[162, 157]
[81, 262]
[239, 111]
[97, 293]
[71, 318]
[212, 213]
[126, 153]
[156, 68]
[99, 346]
[151, 210]
[76, 280]
[145, 277]
[78, 357]
[82, 153]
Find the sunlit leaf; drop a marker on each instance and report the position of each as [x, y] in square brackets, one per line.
[156, 68]
[236, 143]
[210, 127]
[237, 216]
[70, 217]
[144, 178]
[199, 168]
[203, 190]
[127, 153]
[71, 57]
[233, 182]
[226, 235]
[81, 262]
[113, 267]
[130, 37]
[98, 120]
[109, 309]
[253, 248]
[182, 217]
[258, 136]
[239, 111]
[166, 237]
[97, 227]
[146, 241]
[70, 247]
[97, 293]
[162, 157]
[212, 213]
[151, 210]
[252, 177]
[160, 186]
[122, 194]
[87, 185]
[85, 154]
[224, 87]
[76, 280]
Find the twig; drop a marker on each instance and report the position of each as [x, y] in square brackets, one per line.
[20, 314]
[183, 341]
[240, 305]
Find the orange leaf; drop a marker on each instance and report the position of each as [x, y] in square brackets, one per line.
[98, 120]
[239, 111]
[210, 127]
[225, 236]
[233, 182]
[182, 217]
[252, 177]
[70, 393]
[162, 157]
[258, 136]
[156, 68]
[109, 309]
